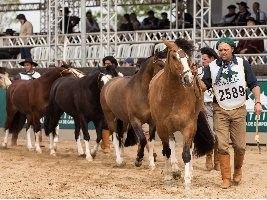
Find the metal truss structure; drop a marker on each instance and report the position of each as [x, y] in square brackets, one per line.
[92, 47]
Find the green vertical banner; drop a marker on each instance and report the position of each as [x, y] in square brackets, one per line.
[251, 117]
[2, 107]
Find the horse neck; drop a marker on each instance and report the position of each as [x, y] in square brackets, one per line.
[145, 74]
[171, 79]
[50, 77]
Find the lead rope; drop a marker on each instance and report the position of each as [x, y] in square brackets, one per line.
[257, 136]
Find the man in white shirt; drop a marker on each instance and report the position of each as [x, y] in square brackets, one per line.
[207, 56]
[29, 73]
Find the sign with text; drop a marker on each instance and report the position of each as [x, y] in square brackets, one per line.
[251, 117]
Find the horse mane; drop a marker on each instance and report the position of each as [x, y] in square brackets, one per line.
[185, 45]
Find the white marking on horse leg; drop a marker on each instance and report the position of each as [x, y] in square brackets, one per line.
[56, 138]
[4, 143]
[87, 151]
[168, 175]
[37, 142]
[29, 140]
[174, 163]
[191, 161]
[151, 154]
[95, 149]
[51, 145]
[119, 159]
[187, 175]
[79, 146]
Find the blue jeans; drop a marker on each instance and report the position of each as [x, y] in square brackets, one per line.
[25, 52]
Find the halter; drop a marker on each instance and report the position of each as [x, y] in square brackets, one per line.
[76, 75]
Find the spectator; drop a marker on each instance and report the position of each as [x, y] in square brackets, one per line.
[126, 24]
[128, 62]
[207, 56]
[243, 14]
[69, 22]
[91, 23]
[151, 22]
[229, 76]
[164, 22]
[136, 24]
[29, 73]
[250, 46]
[8, 53]
[229, 18]
[257, 14]
[26, 29]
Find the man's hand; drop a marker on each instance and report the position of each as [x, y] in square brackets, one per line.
[257, 108]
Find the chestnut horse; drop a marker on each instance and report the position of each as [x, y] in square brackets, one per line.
[79, 98]
[124, 101]
[28, 99]
[175, 100]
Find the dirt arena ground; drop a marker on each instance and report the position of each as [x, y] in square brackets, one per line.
[26, 174]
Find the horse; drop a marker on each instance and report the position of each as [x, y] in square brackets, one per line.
[80, 99]
[175, 100]
[124, 101]
[28, 99]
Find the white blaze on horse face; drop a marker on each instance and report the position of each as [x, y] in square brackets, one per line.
[186, 71]
[106, 78]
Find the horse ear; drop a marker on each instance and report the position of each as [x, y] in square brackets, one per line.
[167, 43]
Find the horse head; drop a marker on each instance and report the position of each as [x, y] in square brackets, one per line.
[178, 59]
[4, 78]
[107, 74]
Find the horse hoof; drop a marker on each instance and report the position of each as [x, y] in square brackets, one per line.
[138, 163]
[30, 149]
[176, 175]
[4, 145]
[93, 154]
[121, 164]
[89, 159]
[39, 151]
[82, 155]
[168, 178]
[155, 157]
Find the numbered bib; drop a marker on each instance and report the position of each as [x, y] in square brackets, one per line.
[230, 93]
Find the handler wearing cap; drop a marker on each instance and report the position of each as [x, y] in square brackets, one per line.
[229, 76]
[29, 72]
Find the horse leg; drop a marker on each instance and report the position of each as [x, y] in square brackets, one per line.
[86, 137]
[99, 127]
[166, 151]
[176, 173]
[150, 147]
[28, 132]
[10, 117]
[137, 127]
[186, 155]
[37, 132]
[77, 136]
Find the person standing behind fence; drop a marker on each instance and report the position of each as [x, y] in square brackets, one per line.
[207, 56]
[26, 29]
[229, 76]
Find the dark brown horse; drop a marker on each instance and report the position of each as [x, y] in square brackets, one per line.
[79, 98]
[124, 101]
[175, 102]
[28, 99]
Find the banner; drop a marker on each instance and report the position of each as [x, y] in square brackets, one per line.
[251, 117]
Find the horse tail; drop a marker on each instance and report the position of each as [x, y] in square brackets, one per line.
[131, 138]
[204, 139]
[17, 123]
